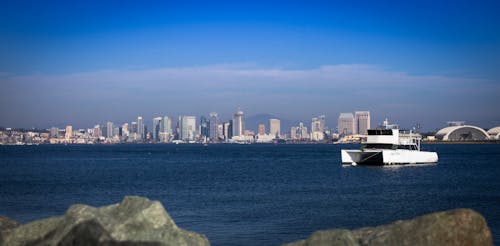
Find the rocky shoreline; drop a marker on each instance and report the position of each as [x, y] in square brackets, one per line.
[140, 221]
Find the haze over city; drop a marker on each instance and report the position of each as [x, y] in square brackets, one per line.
[82, 63]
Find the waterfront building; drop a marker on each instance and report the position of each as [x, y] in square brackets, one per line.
[220, 131]
[109, 129]
[157, 125]
[97, 131]
[228, 130]
[293, 132]
[204, 126]
[299, 132]
[238, 124]
[346, 124]
[213, 126]
[318, 128]
[302, 131]
[125, 130]
[262, 129]
[187, 128]
[494, 133]
[462, 133]
[69, 132]
[133, 127]
[140, 128]
[133, 131]
[166, 130]
[361, 122]
[274, 128]
[54, 131]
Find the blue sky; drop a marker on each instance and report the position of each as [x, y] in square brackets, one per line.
[82, 63]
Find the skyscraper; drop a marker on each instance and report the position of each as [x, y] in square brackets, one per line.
[133, 127]
[140, 128]
[125, 130]
[109, 129]
[346, 124]
[157, 125]
[228, 129]
[166, 129]
[361, 122]
[167, 125]
[54, 131]
[213, 124]
[318, 128]
[97, 131]
[262, 129]
[274, 127]
[302, 131]
[69, 132]
[238, 124]
[187, 127]
[204, 126]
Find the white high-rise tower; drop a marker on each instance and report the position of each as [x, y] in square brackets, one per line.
[238, 124]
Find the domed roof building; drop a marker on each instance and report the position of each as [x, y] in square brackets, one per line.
[494, 133]
[462, 133]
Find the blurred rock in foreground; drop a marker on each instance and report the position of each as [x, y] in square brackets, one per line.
[134, 221]
[453, 227]
[6, 225]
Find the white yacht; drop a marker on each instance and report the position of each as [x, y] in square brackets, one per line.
[389, 147]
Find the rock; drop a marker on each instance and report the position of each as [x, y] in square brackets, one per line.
[7, 224]
[454, 227]
[134, 221]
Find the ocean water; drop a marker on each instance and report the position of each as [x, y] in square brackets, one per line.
[249, 194]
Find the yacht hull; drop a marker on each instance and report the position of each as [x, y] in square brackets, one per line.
[388, 157]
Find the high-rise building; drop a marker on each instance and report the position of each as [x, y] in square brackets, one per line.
[228, 130]
[204, 126]
[361, 122]
[125, 130]
[140, 128]
[302, 131]
[97, 131]
[187, 128]
[69, 132]
[318, 128]
[213, 125]
[262, 129]
[293, 132]
[274, 127]
[157, 125]
[299, 132]
[133, 127]
[166, 130]
[167, 125]
[346, 124]
[54, 131]
[109, 129]
[238, 124]
[220, 130]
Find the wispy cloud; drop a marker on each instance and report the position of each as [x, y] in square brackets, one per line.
[331, 88]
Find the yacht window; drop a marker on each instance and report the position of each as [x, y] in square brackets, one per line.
[378, 146]
[379, 132]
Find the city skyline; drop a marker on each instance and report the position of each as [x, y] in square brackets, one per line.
[80, 63]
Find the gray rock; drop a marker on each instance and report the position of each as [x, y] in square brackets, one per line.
[6, 225]
[134, 221]
[454, 227]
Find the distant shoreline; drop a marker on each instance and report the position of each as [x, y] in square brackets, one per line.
[286, 143]
[462, 142]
